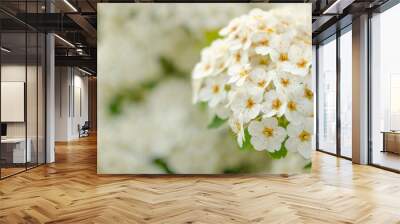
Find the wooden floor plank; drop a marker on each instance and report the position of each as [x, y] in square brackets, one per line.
[70, 191]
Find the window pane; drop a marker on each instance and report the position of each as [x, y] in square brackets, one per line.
[31, 100]
[385, 84]
[346, 94]
[314, 83]
[327, 97]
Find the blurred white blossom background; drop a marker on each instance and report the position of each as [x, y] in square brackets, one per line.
[147, 121]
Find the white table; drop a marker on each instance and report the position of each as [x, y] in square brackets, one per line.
[19, 155]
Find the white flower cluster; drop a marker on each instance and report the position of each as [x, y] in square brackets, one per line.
[258, 75]
[165, 124]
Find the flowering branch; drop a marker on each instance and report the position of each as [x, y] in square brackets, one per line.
[257, 76]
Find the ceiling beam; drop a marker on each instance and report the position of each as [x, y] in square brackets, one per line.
[337, 7]
[81, 61]
[49, 22]
[86, 26]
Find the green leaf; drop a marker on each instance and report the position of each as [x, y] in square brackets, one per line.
[131, 94]
[281, 153]
[282, 121]
[308, 165]
[247, 141]
[232, 170]
[149, 85]
[216, 122]
[135, 95]
[203, 106]
[167, 66]
[210, 36]
[170, 69]
[162, 164]
[115, 106]
[241, 168]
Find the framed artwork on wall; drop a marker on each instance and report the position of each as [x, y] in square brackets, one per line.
[204, 88]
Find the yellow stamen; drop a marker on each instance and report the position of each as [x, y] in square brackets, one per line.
[268, 132]
[238, 57]
[308, 93]
[264, 61]
[215, 89]
[261, 83]
[250, 103]
[302, 63]
[292, 106]
[283, 57]
[304, 136]
[276, 104]
[264, 42]
[270, 30]
[243, 73]
[285, 82]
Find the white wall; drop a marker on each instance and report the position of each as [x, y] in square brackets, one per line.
[80, 104]
[70, 84]
[16, 73]
[34, 126]
[10, 73]
[62, 81]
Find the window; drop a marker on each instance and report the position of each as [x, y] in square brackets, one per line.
[314, 89]
[385, 89]
[394, 117]
[346, 94]
[327, 97]
[22, 78]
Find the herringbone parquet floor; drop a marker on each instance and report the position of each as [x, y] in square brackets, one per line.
[69, 191]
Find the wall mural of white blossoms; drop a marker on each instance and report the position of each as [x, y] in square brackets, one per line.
[204, 88]
[258, 76]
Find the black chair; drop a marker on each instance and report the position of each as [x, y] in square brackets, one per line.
[84, 130]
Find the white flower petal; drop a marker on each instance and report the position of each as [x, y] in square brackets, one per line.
[263, 50]
[255, 127]
[294, 130]
[273, 146]
[258, 143]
